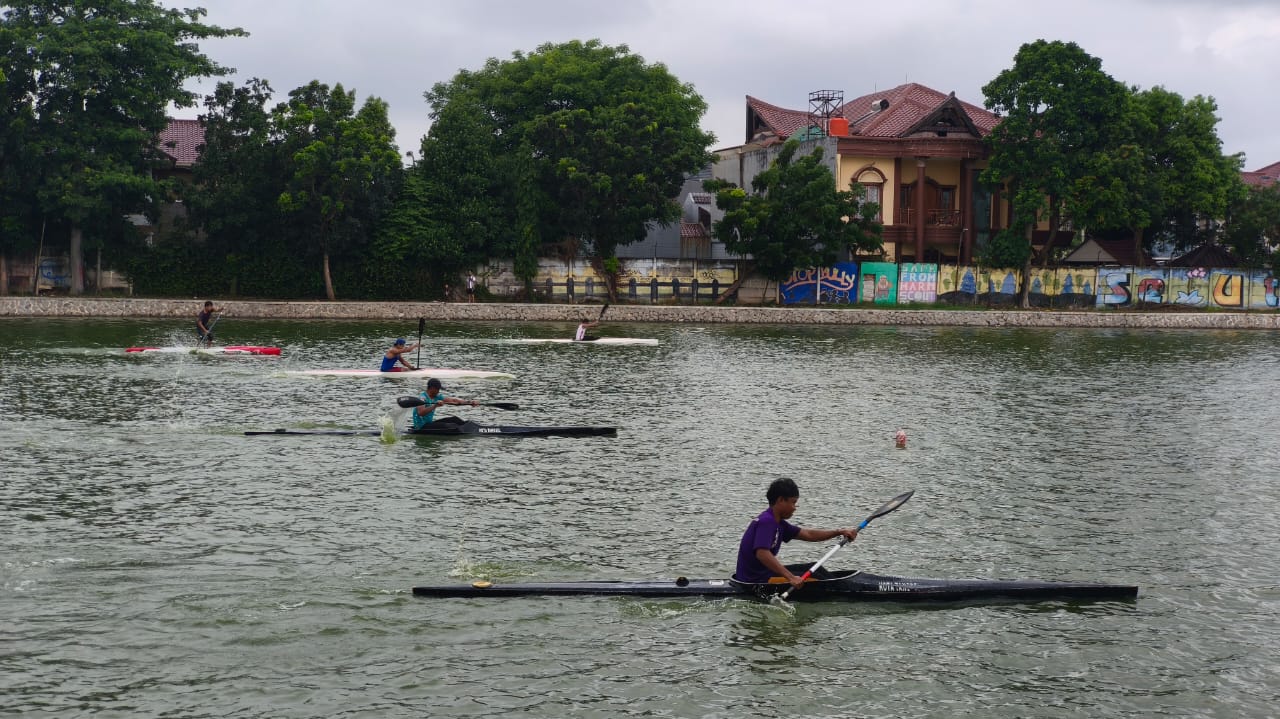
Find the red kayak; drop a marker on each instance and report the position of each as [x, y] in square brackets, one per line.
[227, 350]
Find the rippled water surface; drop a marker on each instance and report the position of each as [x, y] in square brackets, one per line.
[157, 562]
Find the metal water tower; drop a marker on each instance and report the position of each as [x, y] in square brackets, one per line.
[824, 105]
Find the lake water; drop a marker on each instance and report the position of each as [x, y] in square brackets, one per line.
[157, 562]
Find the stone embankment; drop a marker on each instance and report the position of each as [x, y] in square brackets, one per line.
[512, 312]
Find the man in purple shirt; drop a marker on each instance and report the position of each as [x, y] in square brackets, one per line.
[758, 553]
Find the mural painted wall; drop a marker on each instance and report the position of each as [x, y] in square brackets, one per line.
[837, 285]
[917, 282]
[878, 283]
[886, 283]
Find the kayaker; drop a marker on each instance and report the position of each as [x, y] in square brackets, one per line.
[433, 397]
[205, 323]
[396, 355]
[581, 335]
[758, 552]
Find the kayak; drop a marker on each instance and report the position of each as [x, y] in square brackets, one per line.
[465, 429]
[438, 373]
[600, 341]
[824, 586]
[227, 350]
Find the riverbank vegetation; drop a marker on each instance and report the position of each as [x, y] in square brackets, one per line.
[571, 151]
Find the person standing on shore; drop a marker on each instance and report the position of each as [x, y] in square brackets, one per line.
[205, 322]
[471, 287]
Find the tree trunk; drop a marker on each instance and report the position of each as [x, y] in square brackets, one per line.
[733, 288]
[97, 275]
[1024, 287]
[1137, 247]
[77, 260]
[610, 280]
[328, 280]
[4, 273]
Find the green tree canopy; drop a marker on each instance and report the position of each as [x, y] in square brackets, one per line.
[794, 216]
[344, 169]
[591, 142]
[1253, 227]
[92, 83]
[1058, 110]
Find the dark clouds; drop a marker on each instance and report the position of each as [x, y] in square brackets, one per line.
[397, 49]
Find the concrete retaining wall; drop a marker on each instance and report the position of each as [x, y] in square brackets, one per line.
[187, 309]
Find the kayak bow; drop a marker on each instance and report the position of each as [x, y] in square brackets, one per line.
[824, 586]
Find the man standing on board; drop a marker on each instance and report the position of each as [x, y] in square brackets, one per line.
[205, 322]
[758, 552]
[396, 355]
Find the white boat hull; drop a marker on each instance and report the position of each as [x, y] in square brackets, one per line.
[601, 341]
[438, 373]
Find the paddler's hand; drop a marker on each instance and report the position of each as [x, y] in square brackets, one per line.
[475, 403]
[794, 581]
[849, 534]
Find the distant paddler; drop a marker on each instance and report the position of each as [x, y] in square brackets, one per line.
[205, 322]
[395, 356]
[581, 334]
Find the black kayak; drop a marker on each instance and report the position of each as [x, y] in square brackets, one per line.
[824, 586]
[461, 429]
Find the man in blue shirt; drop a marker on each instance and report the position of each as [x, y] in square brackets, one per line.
[433, 398]
[758, 552]
[395, 356]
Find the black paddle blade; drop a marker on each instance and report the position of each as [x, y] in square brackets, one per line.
[891, 505]
[500, 405]
[602, 309]
[410, 401]
[422, 325]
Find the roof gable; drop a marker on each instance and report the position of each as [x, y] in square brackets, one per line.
[912, 108]
[1262, 177]
[1107, 252]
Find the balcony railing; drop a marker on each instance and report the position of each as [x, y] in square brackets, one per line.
[932, 218]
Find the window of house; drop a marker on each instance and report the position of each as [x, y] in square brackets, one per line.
[874, 192]
[946, 198]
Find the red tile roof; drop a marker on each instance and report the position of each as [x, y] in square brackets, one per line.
[908, 105]
[1262, 177]
[692, 229]
[182, 141]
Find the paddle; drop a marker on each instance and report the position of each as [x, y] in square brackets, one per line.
[889, 506]
[422, 323]
[418, 402]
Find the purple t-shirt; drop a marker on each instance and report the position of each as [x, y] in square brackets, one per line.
[764, 532]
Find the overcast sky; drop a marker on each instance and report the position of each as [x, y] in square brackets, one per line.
[778, 52]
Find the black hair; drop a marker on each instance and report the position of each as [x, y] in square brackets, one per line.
[781, 489]
[208, 303]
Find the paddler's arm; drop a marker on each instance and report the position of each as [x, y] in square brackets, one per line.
[770, 561]
[451, 400]
[822, 535]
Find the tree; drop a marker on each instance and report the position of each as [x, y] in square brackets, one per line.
[344, 169]
[1165, 176]
[1059, 109]
[1252, 228]
[101, 75]
[238, 179]
[598, 143]
[794, 216]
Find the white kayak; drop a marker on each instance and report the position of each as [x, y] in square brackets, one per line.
[439, 373]
[227, 350]
[600, 341]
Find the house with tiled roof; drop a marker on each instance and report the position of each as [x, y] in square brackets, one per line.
[917, 153]
[1108, 253]
[1264, 177]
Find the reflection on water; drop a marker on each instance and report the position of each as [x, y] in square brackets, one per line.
[159, 562]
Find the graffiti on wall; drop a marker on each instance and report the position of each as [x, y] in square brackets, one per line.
[878, 283]
[917, 282]
[836, 285]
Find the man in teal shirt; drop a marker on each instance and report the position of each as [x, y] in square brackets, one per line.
[433, 398]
